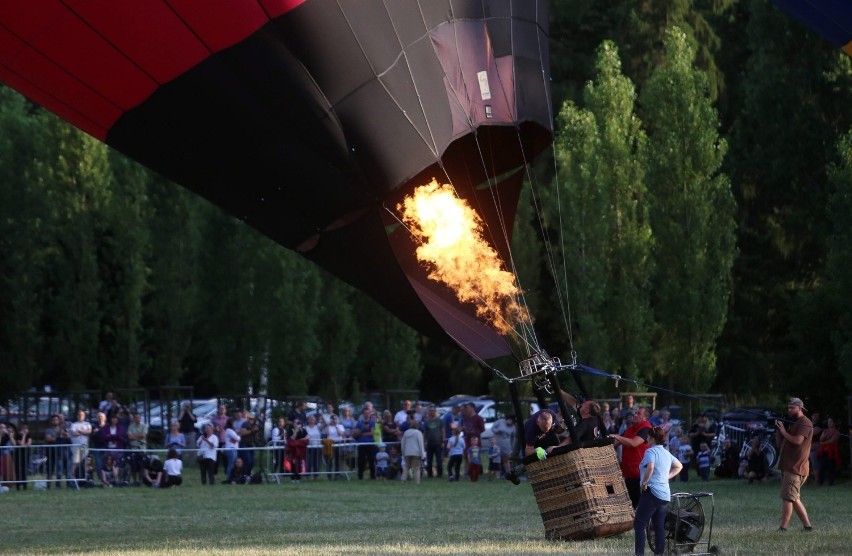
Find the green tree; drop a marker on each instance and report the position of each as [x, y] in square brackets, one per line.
[170, 302]
[122, 247]
[795, 93]
[339, 331]
[218, 358]
[692, 212]
[388, 355]
[839, 257]
[74, 175]
[603, 214]
[577, 27]
[24, 248]
[296, 290]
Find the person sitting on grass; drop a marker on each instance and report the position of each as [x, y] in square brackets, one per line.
[152, 471]
[172, 469]
[729, 466]
[394, 463]
[239, 474]
[756, 466]
[109, 472]
[90, 473]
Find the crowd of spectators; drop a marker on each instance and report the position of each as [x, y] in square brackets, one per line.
[112, 450]
[415, 441]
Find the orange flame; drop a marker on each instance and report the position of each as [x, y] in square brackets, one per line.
[454, 250]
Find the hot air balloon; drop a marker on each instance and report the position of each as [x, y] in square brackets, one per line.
[830, 18]
[309, 119]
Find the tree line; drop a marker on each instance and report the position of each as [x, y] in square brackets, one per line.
[697, 199]
[709, 174]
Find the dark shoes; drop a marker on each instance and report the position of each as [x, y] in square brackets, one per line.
[806, 529]
[512, 476]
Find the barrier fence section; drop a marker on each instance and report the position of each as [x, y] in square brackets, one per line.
[46, 466]
[331, 459]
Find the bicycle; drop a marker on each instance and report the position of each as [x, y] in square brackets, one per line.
[743, 436]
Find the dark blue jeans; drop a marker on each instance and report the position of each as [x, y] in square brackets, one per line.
[651, 510]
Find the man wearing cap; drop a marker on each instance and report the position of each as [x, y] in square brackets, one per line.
[795, 447]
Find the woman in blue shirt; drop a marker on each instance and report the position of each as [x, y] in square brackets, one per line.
[657, 467]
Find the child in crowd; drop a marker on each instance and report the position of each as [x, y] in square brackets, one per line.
[172, 468]
[382, 458]
[89, 473]
[684, 456]
[704, 461]
[674, 443]
[455, 448]
[493, 459]
[755, 468]
[394, 463]
[109, 472]
[474, 459]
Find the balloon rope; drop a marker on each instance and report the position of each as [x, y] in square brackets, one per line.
[564, 305]
[430, 142]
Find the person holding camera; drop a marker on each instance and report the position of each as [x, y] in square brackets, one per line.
[208, 443]
[793, 462]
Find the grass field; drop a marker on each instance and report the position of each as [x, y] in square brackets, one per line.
[339, 517]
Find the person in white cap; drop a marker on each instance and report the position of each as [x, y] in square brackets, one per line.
[795, 447]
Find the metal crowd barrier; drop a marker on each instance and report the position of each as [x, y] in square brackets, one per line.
[330, 459]
[45, 465]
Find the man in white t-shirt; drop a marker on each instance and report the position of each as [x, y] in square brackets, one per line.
[79, 431]
[401, 417]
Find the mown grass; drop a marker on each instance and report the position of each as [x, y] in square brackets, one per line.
[339, 517]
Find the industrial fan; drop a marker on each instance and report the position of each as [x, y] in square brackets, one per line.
[685, 523]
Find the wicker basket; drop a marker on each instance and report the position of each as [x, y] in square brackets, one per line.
[581, 493]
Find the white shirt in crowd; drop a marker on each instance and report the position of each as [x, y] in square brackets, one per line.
[79, 431]
[314, 435]
[173, 467]
[335, 433]
[232, 439]
[207, 446]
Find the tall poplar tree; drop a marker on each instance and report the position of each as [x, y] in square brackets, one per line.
[692, 212]
[839, 258]
[74, 174]
[24, 248]
[169, 301]
[602, 209]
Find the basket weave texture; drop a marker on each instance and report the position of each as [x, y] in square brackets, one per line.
[581, 494]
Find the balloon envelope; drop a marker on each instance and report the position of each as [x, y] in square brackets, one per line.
[830, 18]
[307, 119]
